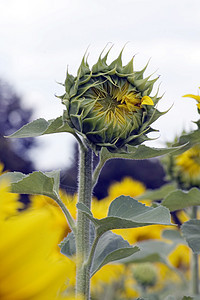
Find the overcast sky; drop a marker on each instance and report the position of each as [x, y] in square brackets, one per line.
[39, 38]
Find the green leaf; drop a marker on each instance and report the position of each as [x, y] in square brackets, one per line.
[158, 194]
[126, 212]
[111, 247]
[12, 176]
[180, 199]
[151, 251]
[173, 235]
[190, 138]
[138, 152]
[40, 127]
[170, 297]
[191, 232]
[36, 183]
[68, 245]
[187, 298]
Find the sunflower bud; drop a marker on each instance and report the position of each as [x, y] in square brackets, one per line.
[110, 105]
[145, 274]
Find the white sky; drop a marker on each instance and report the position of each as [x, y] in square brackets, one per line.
[39, 38]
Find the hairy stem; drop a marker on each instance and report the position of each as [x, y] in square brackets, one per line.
[195, 263]
[83, 224]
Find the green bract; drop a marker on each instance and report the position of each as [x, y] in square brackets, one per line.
[109, 105]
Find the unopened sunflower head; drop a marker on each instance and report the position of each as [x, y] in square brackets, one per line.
[110, 104]
[145, 274]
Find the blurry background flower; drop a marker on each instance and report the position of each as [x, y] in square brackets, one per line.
[188, 167]
[196, 97]
[32, 266]
[184, 169]
[145, 275]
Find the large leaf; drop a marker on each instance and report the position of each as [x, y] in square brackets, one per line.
[190, 138]
[151, 251]
[180, 199]
[126, 212]
[41, 127]
[191, 232]
[138, 152]
[36, 183]
[173, 235]
[111, 247]
[158, 194]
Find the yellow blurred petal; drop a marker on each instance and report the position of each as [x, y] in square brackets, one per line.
[146, 100]
[106, 275]
[180, 257]
[196, 97]
[127, 187]
[1, 168]
[8, 202]
[30, 258]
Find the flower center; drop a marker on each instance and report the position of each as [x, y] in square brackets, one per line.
[115, 103]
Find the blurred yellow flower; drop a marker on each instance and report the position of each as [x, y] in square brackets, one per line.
[106, 276]
[127, 187]
[180, 258]
[31, 265]
[9, 204]
[196, 97]
[188, 165]
[182, 216]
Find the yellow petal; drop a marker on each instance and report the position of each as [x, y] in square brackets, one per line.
[196, 97]
[146, 100]
[198, 105]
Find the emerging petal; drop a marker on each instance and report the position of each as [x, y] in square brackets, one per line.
[196, 97]
[146, 100]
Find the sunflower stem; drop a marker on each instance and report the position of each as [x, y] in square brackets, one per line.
[83, 223]
[195, 263]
